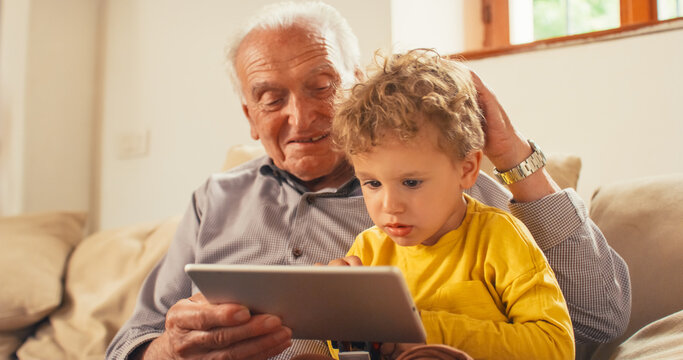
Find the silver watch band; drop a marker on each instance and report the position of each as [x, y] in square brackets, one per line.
[527, 167]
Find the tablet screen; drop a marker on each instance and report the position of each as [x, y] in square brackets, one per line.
[346, 303]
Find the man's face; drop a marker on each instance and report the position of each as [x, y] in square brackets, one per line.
[412, 189]
[289, 78]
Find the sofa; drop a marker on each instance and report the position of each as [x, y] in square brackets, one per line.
[64, 295]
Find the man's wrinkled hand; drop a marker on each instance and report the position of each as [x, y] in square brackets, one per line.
[196, 329]
[504, 146]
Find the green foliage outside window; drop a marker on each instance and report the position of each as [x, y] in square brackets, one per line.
[669, 9]
[554, 18]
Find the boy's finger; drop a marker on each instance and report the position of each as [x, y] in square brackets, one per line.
[353, 261]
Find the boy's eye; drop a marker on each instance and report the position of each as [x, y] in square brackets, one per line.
[412, 183]
[372, 183]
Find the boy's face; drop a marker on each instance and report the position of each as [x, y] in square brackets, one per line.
[413, 190]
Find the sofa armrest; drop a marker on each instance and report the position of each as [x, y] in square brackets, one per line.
[642, 221]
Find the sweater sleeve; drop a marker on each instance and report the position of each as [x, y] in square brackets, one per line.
[538, 328]
[593, 277]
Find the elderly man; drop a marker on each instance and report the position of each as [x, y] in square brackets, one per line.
[301, 204]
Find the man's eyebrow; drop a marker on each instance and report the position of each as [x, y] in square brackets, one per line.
[261, 87]
[324, 68]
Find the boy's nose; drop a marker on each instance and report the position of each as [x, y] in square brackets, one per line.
[392, 203]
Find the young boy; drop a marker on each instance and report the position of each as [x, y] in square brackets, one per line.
[413, 134]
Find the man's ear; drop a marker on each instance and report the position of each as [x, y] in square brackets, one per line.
[252, 126]
[359, 75]
[470, 168]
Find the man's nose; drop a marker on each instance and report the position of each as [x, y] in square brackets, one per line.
[300, 112]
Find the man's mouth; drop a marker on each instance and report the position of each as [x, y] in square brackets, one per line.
[310, 140]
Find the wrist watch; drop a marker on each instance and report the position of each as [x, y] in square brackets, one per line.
[527, 167]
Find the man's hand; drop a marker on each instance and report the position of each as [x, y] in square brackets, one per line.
[506, 147]
[346, 261]
[196, 329]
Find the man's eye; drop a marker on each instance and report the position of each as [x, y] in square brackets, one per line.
[271, 104]
[412, 183]
[321, 87]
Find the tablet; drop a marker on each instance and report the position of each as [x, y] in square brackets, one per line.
[344, 303]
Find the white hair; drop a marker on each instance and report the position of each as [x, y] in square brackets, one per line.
[284, 15]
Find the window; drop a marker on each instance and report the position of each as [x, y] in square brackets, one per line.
[532, 20]
[669, 9]
[510, 22]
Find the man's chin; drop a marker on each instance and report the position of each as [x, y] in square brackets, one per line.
[319, 171]
[310, 175]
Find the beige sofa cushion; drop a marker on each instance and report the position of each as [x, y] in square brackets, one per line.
[642, 220]
[11, 340]
[242, 153]
[660, 340]
[103, 278]
[35, 248]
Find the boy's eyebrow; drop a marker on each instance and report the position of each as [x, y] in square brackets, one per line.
[363, 175]
[409, 174]
[413, 174]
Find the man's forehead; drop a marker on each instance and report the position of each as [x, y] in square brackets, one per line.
[279, 47]
[261, 79]
[294, 49]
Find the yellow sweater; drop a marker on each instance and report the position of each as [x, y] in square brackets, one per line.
[485, 287]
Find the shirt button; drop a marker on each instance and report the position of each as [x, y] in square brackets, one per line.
[310, 200]
[297, 252]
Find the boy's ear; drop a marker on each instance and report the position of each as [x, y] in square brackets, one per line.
[470, 168]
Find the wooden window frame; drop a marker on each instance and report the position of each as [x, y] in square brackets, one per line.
[635, 14]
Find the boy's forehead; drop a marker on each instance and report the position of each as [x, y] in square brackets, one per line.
[422, 142]
[425, 134]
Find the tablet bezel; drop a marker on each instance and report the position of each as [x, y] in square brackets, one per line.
[345, 303]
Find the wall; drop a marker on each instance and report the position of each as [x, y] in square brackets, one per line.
[445, 19]
[48, 91]
[617, 104]
[157, 69]
[164, 83]
[14, 19]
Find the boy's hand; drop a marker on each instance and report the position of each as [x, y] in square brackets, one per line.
[346, 261]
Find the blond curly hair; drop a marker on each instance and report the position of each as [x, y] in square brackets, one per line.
[404, 91]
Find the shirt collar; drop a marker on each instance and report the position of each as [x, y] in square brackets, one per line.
[349, 188]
